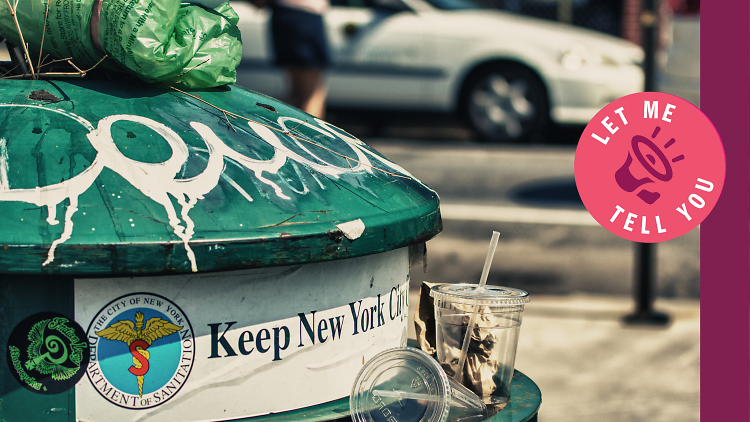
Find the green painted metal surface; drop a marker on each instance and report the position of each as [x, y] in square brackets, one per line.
[21, 296]
[525, 400]
[524, 406]
[123, 178]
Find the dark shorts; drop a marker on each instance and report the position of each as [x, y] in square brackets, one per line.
[299, 39]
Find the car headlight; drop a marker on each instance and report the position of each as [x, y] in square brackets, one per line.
[578, 55]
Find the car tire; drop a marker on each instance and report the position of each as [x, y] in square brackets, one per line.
[506, 103]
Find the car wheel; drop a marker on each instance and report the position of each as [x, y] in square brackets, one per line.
[506, 103]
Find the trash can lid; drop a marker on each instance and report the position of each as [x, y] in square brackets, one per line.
[117, 178]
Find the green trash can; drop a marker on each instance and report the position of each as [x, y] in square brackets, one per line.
[173, 257]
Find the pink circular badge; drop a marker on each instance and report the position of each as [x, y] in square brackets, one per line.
[650, 167]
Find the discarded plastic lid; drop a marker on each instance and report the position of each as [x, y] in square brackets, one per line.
[408, 385]
[471, 294]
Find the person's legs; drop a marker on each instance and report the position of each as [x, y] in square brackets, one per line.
[307, 90]
[301, 49]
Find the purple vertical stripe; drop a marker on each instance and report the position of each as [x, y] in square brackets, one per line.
[725, 233]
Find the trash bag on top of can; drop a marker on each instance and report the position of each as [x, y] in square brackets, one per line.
[157, 40]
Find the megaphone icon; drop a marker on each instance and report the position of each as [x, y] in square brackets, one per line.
[629, 183]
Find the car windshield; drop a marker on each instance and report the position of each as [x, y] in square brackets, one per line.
[454, 4]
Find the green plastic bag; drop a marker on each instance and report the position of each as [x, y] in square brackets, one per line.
[67, 29]
[159, 40]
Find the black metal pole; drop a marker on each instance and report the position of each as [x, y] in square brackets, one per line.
[648, 20]
[645, 261]
[644, 288]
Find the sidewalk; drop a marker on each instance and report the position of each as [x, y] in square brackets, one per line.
[591, 367]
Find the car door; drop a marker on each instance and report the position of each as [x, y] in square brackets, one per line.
[378, 52]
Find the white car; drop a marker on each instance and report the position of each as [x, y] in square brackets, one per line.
[508, 75]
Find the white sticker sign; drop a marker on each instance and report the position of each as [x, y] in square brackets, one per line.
[221, 346]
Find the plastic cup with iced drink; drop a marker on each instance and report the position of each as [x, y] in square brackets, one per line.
[486, 366]
[407, 385]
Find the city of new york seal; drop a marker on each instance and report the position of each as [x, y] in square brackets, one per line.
[142, 350]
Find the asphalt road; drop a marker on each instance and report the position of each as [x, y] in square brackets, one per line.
[549, 244]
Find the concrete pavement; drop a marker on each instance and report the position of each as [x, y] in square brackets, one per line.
[591, 367]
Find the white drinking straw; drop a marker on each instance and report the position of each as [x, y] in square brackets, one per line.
[473, 319]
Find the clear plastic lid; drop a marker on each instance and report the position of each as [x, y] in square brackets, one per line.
[403, 384]
[472, 294]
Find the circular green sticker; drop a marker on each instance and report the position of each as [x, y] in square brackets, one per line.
[47, 353]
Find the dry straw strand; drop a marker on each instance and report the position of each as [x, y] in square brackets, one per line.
[20, 34]
[44, 31]
[27, 57]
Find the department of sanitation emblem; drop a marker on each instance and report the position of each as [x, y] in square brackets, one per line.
[142, 350]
